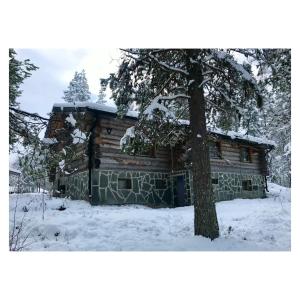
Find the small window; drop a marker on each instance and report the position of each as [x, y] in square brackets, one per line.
[124, 183]
[97, 163]
[247, 185]
[215, 181]
[245, 154]
[160, 184]
[215, 150]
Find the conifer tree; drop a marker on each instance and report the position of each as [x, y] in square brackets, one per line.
[204, 83]
[78, 89]
[101, 96]
[275, 73]
[24, 126]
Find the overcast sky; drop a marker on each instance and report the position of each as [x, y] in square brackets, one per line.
[56, 70]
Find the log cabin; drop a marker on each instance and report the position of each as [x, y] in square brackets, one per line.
[103, 174]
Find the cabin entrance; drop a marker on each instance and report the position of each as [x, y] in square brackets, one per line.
[179, 191]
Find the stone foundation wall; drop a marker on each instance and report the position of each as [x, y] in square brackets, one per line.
[156, 189]
[76, 186]
[230, 186]
[149, 188]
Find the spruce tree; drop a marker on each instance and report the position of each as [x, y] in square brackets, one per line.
[78, 89]
[275, 73]
[101, 96]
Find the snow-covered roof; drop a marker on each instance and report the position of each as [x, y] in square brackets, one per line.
[95, 106]
[236, 135]
[111, 109]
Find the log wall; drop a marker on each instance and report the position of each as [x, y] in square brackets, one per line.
[231, 162]
[109, 130]
[107, 146]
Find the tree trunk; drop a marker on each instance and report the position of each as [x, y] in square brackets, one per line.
[205, 219]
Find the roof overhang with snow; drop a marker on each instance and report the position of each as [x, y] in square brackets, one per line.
[104, 109]
[70, 107]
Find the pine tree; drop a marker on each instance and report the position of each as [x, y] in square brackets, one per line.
[204, 83]
[101, 96]
[18, 72]
[78, 89]
[23, 126]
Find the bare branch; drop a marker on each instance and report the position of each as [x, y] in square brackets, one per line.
[27, 114]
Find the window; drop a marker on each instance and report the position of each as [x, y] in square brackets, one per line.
[124, 183]
[97, 163]
[215, 181]
[245, 154]
[215, 150]
[247, 185]
[160, 184]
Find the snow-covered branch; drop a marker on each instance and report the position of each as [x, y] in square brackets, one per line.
[78, 136]
[155, 104]
[221, 55]
[168, 67]
[49, 141]
[27, 114]
[130, 133]
[70, 119]
[207, 73]
[204, 82]
[226, 97]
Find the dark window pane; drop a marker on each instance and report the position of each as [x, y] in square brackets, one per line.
[124, 184]
[215, 150]
[160, 184]
[245, 154]
[214, 180]
[97, 163]
[247, 185]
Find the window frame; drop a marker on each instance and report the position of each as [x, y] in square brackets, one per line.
[247, 185]
[249, 154]
[127, 186]
[217, 146]
[215, 181]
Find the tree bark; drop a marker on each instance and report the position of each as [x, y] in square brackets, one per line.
[205, 219]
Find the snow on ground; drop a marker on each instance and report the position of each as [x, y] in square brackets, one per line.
[245, 225]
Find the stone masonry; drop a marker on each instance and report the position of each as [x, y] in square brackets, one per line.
[155, 189]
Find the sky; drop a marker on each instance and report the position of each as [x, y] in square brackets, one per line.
[56, 69]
